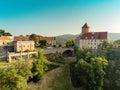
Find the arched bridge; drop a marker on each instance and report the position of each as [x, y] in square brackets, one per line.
[66, 53]
[62, 51]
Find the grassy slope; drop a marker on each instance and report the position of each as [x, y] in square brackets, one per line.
[57, 79]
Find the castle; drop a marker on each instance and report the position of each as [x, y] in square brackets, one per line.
[88, 39]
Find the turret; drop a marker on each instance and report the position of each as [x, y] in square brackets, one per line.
[85, 28]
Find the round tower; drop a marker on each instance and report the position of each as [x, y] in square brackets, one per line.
[85, 28]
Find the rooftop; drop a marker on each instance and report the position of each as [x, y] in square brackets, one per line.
[94, 35]
[5, 38]
[85, 26]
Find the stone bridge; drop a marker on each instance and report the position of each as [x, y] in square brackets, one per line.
[60, 50]
[66, 53]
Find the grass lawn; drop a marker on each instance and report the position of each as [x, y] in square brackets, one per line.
[2, 63]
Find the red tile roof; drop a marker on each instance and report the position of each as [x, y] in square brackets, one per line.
[5, 38]
[94, 35]
[85, 25]
[49, 38]
[21, 38]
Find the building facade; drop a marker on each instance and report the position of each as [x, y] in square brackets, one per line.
[24, 46]
[50, 40]
[88, 39]
[21, 38]
[5, 40]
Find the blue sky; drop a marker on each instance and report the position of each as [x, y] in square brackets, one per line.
[57, 17]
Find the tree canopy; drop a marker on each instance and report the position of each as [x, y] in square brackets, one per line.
[69, 43]
[4, 33]
[89, 71]
[117, 42]
[39, 66]
[43, 43]
[15, 76]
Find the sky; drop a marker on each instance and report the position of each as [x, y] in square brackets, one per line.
[57, 17]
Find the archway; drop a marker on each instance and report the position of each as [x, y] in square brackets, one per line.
[67, 53]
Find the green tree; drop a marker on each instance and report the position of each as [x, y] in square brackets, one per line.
[11, 79]
[99, 64]
[103, 49]
[43, 43]
[69, 43]
[91, 74]
[113, 70]
[23, 68]
[86, 54]
[89, 71]
[34, 38]
[3, 33]
[117, 42]
[39, 66]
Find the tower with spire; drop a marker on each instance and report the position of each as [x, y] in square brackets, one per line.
[85, 28]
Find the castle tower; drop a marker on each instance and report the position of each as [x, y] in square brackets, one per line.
[85, 28]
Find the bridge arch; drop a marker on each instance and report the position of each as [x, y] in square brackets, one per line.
[68, 53]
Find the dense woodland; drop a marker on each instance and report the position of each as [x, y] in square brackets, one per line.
[96, 70]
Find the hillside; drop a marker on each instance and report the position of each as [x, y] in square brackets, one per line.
[63, 38]
[113, 36]
[57, 79]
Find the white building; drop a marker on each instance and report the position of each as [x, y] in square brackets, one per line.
[89, 39]
[24, 45]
